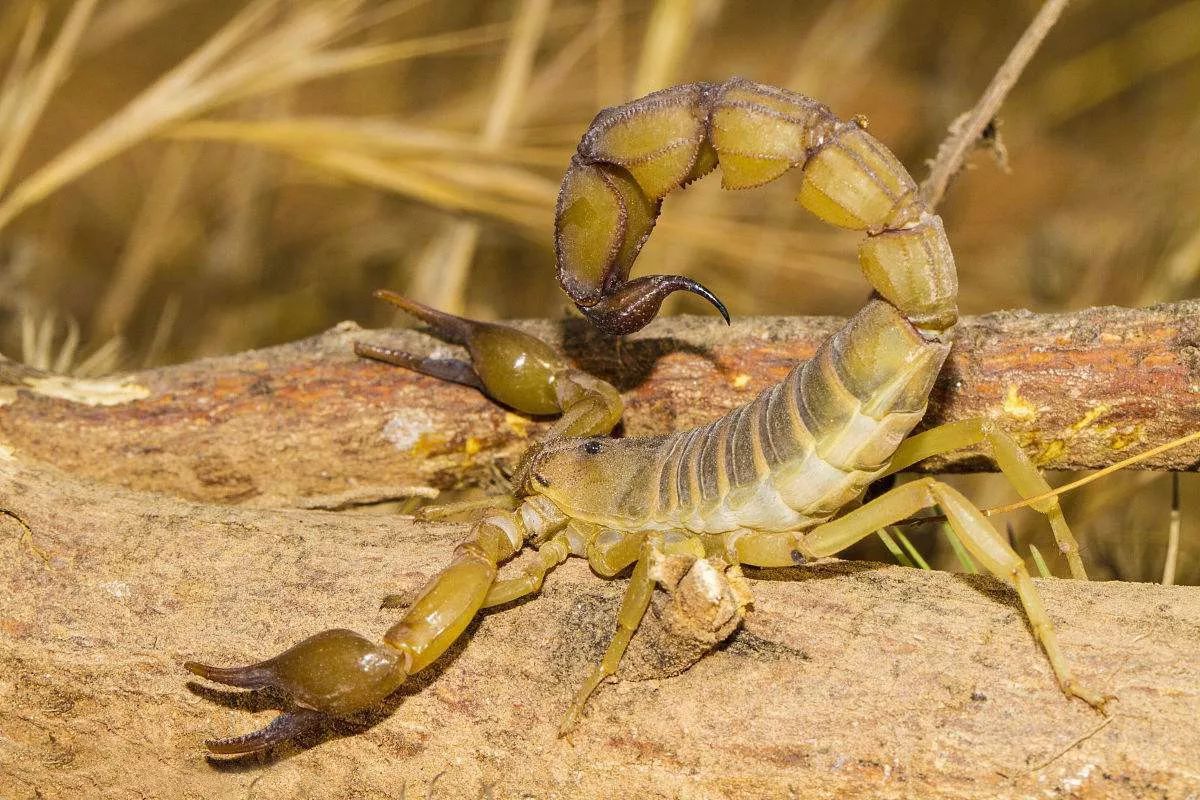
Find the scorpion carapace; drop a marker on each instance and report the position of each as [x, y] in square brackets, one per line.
[772, 483]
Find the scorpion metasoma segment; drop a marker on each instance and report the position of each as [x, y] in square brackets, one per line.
[773, 483]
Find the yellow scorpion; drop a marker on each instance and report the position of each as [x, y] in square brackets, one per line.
[774, 483]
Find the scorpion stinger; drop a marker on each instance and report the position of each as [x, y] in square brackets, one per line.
[611, 196]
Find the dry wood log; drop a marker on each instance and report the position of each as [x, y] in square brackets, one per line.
[309, 425]
[846, 680]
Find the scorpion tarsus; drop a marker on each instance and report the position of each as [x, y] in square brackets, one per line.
[634, 304]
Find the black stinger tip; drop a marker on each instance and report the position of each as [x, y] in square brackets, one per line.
[698, 288]
[632, 305]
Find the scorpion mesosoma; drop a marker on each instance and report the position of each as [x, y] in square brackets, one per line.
[773, 483]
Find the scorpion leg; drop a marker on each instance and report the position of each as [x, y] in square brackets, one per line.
[609, 552]
[338, 672]
[982, 540]
[548, 556]
[633, 608]
[1015, 465]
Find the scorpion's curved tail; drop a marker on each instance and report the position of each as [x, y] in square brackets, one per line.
[634, 155]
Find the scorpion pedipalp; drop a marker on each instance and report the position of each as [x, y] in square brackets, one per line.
[508, 365]
[522, 371]
[337, 673]
[286, 725]
[334, 673]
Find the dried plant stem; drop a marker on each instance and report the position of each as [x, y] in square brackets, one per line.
[31, 106]
[1095, 476]
[670, 30]
[246, 58]
[1172, 561]
[965, 132]
[151, 235]
[443, 283]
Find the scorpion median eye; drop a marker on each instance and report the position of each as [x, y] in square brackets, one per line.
[592, 446]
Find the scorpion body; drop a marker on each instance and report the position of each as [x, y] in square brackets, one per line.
[772, 483]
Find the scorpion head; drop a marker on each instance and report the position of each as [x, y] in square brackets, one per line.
[589, 478]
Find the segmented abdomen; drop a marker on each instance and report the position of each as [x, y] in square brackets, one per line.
[804, 448]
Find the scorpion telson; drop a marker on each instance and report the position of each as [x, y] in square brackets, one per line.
[768, 485]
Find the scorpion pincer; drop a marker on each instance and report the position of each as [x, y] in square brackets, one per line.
[772, 483]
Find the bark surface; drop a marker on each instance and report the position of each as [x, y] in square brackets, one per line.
[310, 425]
[847, 679]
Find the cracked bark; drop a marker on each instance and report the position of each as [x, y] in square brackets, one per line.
[308, 425]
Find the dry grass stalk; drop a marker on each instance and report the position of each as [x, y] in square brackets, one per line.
[254, 53]
[151, 234]
[443, 284]
[26, 104]
[966, 131]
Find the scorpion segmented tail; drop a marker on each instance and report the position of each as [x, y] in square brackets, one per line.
[805, 447]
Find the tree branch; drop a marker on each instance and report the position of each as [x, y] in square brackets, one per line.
[309, 425]
[847, 679]
[967, 130]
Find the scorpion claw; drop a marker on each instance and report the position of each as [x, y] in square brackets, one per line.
[335, 673]
[634, 304]
[446, 369]
[285, 726]
[455, 330]
[506, 364]
[254, 676]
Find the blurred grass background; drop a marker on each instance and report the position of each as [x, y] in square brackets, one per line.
[181, 178]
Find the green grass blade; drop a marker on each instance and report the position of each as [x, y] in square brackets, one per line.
[912, 551]
[1041, 562]
[959, 551]
[894, 549]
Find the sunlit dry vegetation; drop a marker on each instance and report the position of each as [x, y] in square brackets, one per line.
[181, 178]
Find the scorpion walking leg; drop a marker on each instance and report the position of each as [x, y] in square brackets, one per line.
[338, 672]
[1013, 462]
[633, 608]
[548, 556]
[982, 540]
[608, 553]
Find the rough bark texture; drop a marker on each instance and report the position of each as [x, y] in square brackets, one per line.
[309, 425]
[847, 679]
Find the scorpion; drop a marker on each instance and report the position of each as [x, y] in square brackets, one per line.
[777, 482]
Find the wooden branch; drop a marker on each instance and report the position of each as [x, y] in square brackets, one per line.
[309, 425]
[967, 131]
[846, 680]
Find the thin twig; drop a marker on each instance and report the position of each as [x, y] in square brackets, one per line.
[1120, 465]
[1168, 578]
[1074, 743]
[966, 131]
